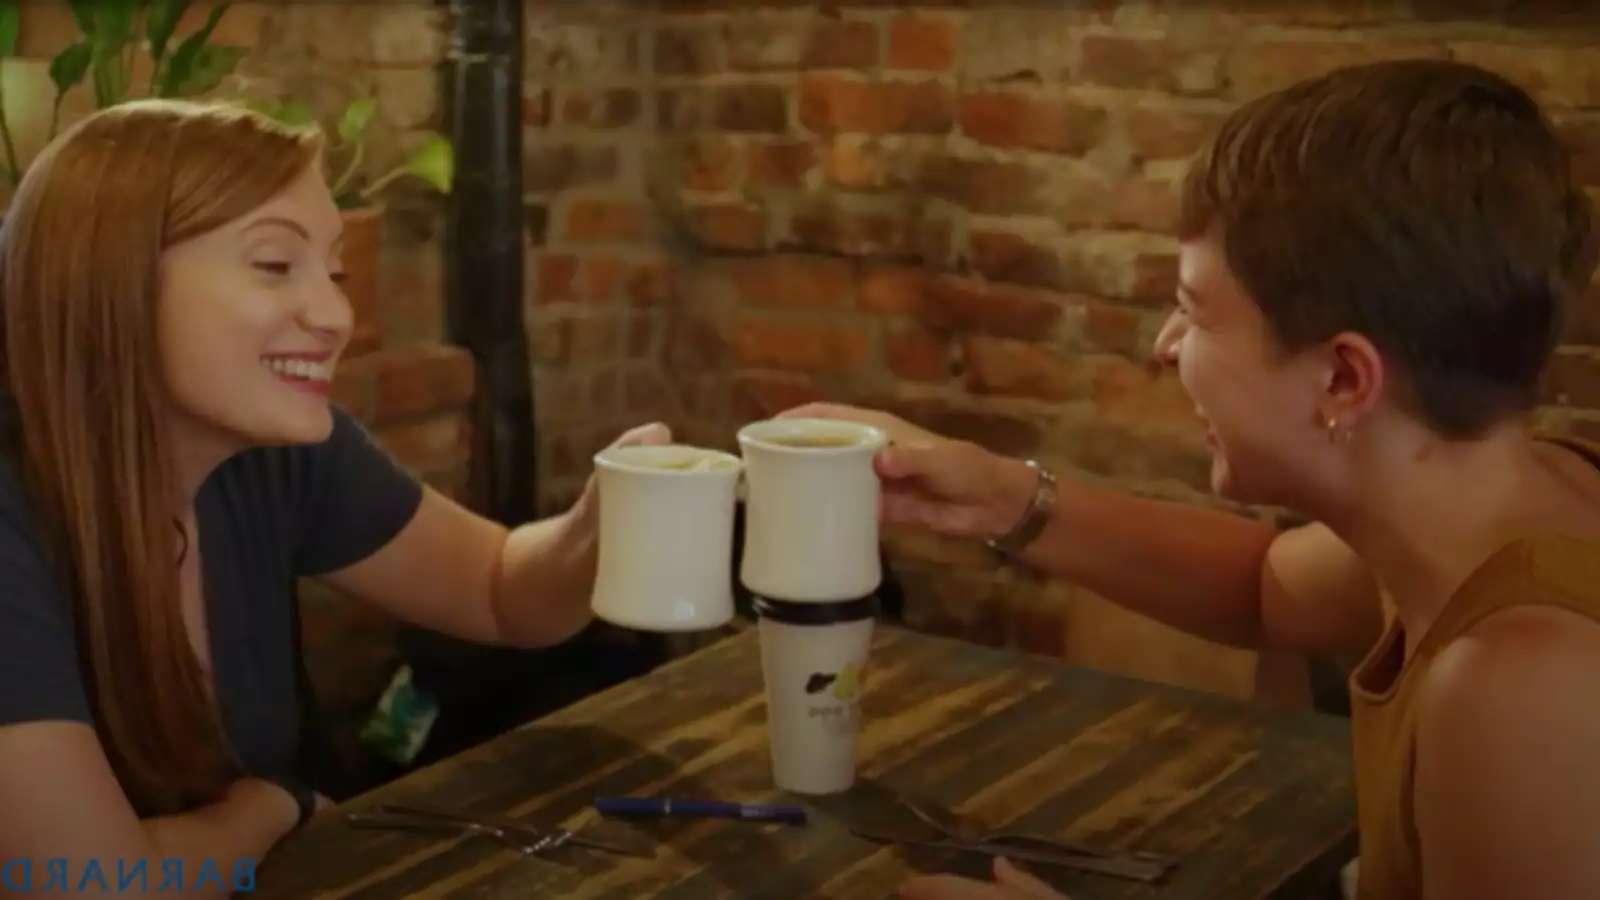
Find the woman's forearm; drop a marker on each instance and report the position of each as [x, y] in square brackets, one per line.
[226, 839]
[1193, 568]
[546, 577]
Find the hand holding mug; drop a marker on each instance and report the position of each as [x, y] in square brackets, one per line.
[951, 487]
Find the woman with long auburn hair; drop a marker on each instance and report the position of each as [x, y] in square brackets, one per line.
[170, 464]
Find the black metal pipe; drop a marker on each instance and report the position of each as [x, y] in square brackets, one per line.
[483, 277]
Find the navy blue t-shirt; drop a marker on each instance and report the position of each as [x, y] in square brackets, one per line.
[265, 516]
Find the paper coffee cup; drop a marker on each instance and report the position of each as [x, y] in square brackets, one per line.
[666, 537]
[813, 660]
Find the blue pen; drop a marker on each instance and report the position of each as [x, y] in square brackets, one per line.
[664, 806]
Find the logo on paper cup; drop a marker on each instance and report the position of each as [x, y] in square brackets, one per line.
[831, 698]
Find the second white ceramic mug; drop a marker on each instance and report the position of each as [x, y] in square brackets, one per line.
[666, 537]
[811, 509]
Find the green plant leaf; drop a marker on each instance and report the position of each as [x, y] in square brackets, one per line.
[113, 20]
[434, 162]
[83, 11]
[110, 78]
[160, 23]
[289, 112]
[10, 26]
[212, 64]
[357, 116]
[186, 59]
[70, 65]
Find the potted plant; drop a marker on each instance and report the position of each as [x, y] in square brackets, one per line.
[112, 33]
[432, 162]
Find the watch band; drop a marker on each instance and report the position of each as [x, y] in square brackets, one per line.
[1033, 520]
[304, 797]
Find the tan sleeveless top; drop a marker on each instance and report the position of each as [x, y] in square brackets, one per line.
[1546, 570]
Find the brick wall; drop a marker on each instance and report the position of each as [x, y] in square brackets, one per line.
[956, 210]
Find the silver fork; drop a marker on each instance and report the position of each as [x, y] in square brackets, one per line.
[961, 829]
[557, 837]
[526, 842]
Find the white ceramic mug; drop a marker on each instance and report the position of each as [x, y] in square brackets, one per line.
[811, 509]
[666, 537]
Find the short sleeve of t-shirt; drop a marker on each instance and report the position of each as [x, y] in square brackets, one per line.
[355, 500]
[39, 678]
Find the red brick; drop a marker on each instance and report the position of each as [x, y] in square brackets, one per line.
[842, 45]
[575, 108]
[591, 219]
[550, 340]
[1000, 433]
[1258, 69]
[558, 273]
[1006, 119]
[1015, 368]
[1573, 379]
[682, 51]
[652, 283]
[554, 167]
[1144, 204]
[646, 394]
[760, 395]
[536, 108]
[729, 226]
[1148, 63]
[1168, 134]
[1111, 328]
[1155, 279]
[355, 386]
[751, 108]
[595, 338]
[892, 290]
[793, 281]
[762, 43]
[682, 109]
[918, 354]
[423, 378]
[430, 445]
[783, 164]
[830, 103]
[863, 164]
[604, 387]
[641, 336]
[801, 346]
[1117, 450]
[614, 108]
[917, 42]
[1127, 391]
[709, 164]
[1000, 256]
[982, 186]
[968, 305]
[600, 277]
[889, 233]
[694, 345]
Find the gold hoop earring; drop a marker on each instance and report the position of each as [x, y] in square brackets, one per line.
[1337, 435]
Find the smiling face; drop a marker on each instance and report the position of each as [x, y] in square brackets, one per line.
[250, 322]
[1261, 407]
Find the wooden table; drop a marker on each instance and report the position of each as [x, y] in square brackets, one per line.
[1258, 803]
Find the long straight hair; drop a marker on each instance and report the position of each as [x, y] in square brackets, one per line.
[79, 274]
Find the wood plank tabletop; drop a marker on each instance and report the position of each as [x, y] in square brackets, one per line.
[1256, 802]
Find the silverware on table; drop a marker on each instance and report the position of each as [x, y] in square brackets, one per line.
[963, 830]
[518, 829]
[1116, 865]
[525, 844]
